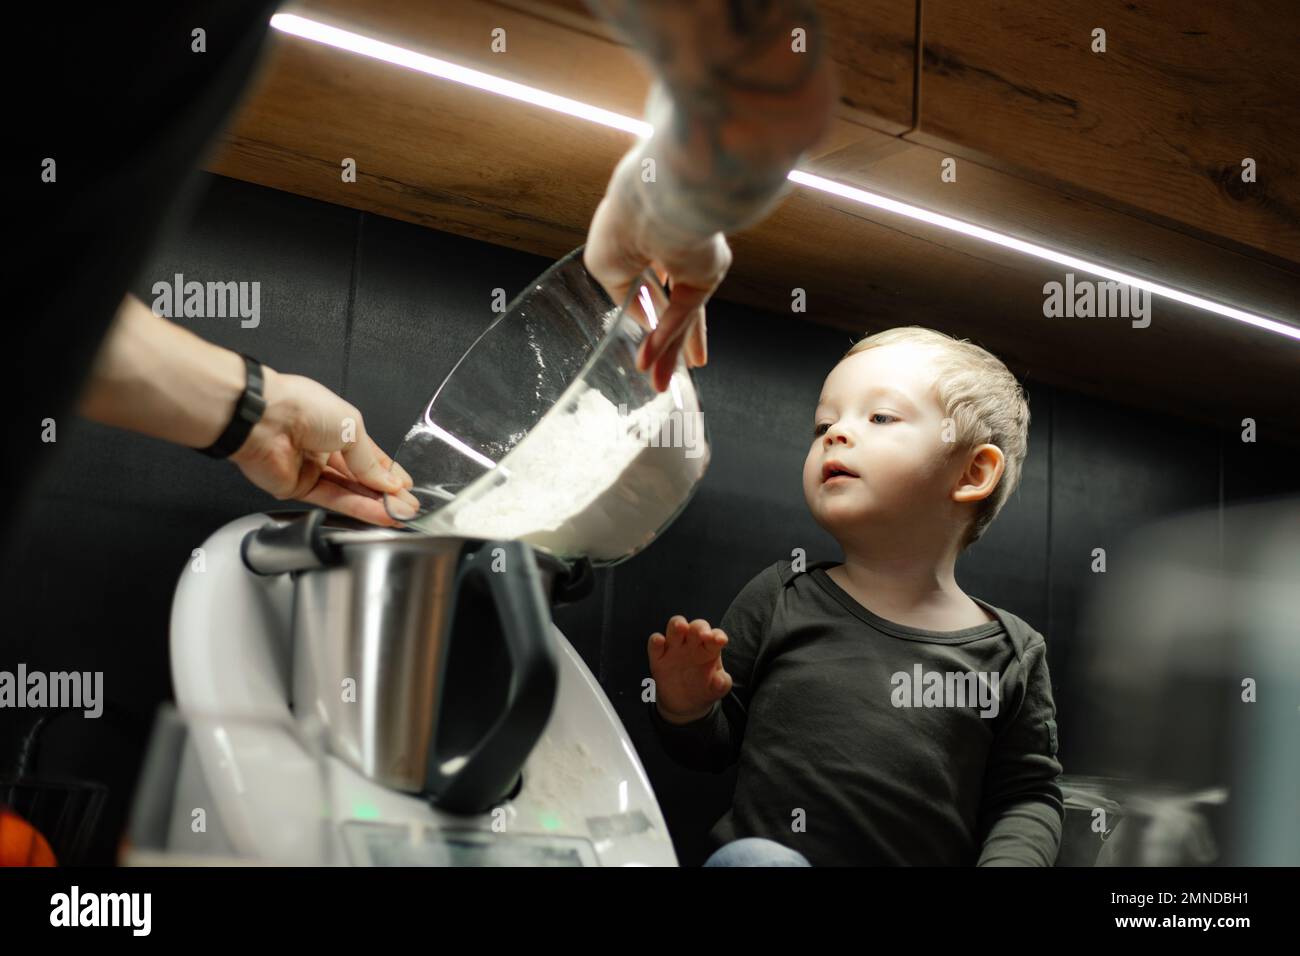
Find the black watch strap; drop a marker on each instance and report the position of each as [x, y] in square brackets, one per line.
[248, 412]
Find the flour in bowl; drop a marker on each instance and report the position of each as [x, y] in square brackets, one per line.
[588, 479]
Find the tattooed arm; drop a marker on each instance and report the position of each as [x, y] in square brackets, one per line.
[738, 98]
[734, 106]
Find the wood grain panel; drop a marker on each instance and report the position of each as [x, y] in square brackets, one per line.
[466, 162]
[1070, 224]
[1158, 124]
[475, 164]
[591, 66]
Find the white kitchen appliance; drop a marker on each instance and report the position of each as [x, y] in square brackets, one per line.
[583, 797]
[369, 696]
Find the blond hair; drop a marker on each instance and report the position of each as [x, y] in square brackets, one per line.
[984, 401]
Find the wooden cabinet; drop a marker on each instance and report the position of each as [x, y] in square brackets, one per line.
[1131, 158]
[1158, 124]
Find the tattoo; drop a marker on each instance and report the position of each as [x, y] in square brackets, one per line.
[734, 108]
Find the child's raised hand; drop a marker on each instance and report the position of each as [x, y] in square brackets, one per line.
[686, 664]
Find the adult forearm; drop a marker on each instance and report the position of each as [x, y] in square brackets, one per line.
[154, 377]
[739, 98]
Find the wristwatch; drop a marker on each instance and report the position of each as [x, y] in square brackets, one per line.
[248, 412]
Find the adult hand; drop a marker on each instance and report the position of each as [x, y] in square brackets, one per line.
[732, 107]
[311, 445]
[154, 377]
[624, 240]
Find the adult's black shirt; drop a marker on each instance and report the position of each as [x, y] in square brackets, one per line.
[118, 97]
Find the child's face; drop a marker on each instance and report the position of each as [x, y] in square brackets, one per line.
[880, 419]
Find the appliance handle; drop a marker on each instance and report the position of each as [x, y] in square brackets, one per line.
[574, 582]
[280, 547]
[488, 771]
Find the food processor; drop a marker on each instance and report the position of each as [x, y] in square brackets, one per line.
[401, 696]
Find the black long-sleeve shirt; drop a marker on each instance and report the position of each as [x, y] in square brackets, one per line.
[127, 112]
[865, 742]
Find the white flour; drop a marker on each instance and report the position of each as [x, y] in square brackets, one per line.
[580, 484]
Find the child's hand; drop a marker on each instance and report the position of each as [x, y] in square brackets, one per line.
[687, 669]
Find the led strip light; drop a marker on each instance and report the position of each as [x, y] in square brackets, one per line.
[399, 56]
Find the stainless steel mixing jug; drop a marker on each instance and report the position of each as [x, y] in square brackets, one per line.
[430, 661]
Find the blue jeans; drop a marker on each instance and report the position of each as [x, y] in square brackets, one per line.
[756, 851]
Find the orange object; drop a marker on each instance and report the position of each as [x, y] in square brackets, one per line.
[21, 844]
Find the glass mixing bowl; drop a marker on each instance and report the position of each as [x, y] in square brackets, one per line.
[546, 432]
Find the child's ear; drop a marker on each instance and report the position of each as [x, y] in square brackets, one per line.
[983, 471]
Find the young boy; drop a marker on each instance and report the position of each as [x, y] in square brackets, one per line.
[879, 714]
